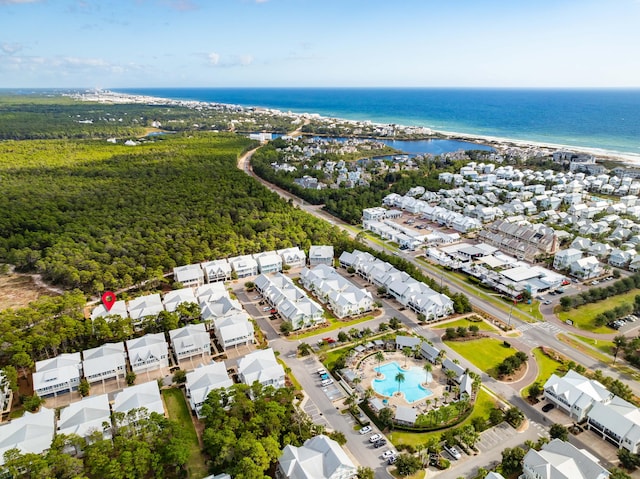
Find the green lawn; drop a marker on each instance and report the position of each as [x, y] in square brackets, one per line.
[584, 316]
[465, 323]
[603, 345]
[179, 411]
[333, 325]
[483, 406]
[546, 367]
[485, 353]
[580, 346]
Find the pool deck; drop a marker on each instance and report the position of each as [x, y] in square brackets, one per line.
[367, 372]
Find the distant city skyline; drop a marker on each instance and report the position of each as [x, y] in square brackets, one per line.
[329, 43]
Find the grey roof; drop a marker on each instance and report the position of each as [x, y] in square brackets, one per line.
[406, 414]
[429, 351]
[449, 364]
[561, 460]
[319, 458]
[407, 341]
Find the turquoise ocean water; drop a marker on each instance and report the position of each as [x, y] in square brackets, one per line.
[608, 119]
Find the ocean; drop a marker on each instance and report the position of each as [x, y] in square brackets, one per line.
[606, 119]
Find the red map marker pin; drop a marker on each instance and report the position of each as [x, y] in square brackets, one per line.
[108, 299]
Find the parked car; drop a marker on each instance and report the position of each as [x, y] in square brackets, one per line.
[326, 382]
[392, 460]
[380, 443]
[268, 308]
[453, 451]
[548, 407]
[388, 454]
[321, 371]
[546, 302]
[374, 438]
[366, 429]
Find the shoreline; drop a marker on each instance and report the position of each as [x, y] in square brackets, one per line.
[500, 143]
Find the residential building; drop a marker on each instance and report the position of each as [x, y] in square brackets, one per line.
[261, 366]
[587, 268]
[145, 307]
[30, 434]
[244, 266]
[5, 393]
[561, 460]
[575, 394]
[269, 262]
[57, 375]
[618, 422]
[190, 275]
[320, 254]
[119, 308]
[319, 458]
[292, 257]
[189, 341]
[136, 402]
[234, 330]
[564, 258]
[105, 362]
[85, 417]
[173, 299]
[148, 353]
[204, 379]
[218, 270]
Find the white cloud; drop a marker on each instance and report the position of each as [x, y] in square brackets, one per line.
[11, 48]
[214, 58]
[14, 2]
[246, 60]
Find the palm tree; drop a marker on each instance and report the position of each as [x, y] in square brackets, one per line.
[427, 371]
[379, 357]
[400, 380]
[357, 380]
[407, 351]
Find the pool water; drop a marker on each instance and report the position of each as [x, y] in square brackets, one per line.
[411, 387]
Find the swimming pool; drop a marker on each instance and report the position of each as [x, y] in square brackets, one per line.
[411, 387]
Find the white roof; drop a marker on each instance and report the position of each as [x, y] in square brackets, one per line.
[319, 458]
[561, 460]
[145, 395]
[189, 337]
[86, 416]
[576, 389]
[60, 361]
[320, 251]
[32, 433]
[190, 272]
[620, 417]
[140, 349]
[215, 290]
[232, 327]
[149, 305]
[172, 299]
[204, 379]
[107, 357]
[261, 366]
[119, 308]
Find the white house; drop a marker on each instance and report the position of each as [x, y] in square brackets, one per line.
[618, 422]
[5, 393]
[145, 306]
[587, 268]
[561, 460]
[621, 258]
[575, 394]
[261, 366]
[104, 362]
[319, 458]
[218, 270]
[119, 308]
[190, 275]
[83, 418]
[31, 433]
[564, 258]
[293, 257]
[173, 299]
[269, 262]
[57, 375]
[189, 341]
[234, 330]
[320, 254]
[138, 401]
[244, 266]
[204, 379]
[148, 353]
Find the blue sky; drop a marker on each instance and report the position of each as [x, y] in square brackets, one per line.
[271, 43]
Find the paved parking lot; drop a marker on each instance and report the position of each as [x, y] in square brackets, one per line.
[494, 436]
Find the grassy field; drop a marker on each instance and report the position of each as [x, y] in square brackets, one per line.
[18, 290]
[179, 411]
[465, 323]
[580, 346]
[484, 404]
[334, 324]
[485, 353]
[546, 367]
[583, 317]
[603, 345]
